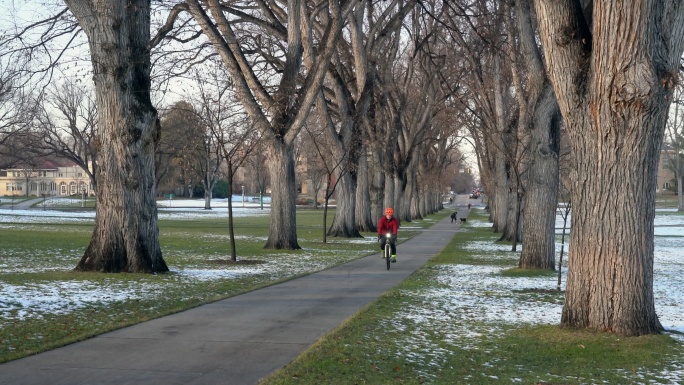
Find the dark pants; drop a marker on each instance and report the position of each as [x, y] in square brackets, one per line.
[393, 244]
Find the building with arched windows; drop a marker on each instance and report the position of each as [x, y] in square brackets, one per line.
[45, 178]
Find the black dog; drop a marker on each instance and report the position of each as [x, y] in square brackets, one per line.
[463, 220]
[453, 216]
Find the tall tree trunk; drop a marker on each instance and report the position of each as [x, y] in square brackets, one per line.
[500, 202]
[680, 201]
[207, 199]
[377, 189]
[539, 114]
[231, 226]
[364, 219]
[539, 237]
[610, 281]
[344, 222]
[126, 235]
[281, 167]
[389, 194]
[278, 110]
[502, 166]
[511, 230]
[613, 82]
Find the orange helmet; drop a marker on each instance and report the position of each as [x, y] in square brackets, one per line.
[389, 211]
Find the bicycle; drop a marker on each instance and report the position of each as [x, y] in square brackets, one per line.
[388, 250]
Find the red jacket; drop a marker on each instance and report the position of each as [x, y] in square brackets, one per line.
[385, 225]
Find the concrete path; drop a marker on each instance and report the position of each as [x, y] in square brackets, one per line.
[21, 204]
[237, 340]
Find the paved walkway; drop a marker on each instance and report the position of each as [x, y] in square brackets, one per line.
[238, 340]
[21, 204]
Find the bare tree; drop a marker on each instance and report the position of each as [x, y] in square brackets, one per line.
[674, 138]
[126, 235]
[231, 132]
[279, 101]
[255, 165]
[539, 127]
[67, 126]
[614, 82]
[332, 167]
[17, 107]
[316, 162]
[491, 107]
[177, 143]
[350, 88]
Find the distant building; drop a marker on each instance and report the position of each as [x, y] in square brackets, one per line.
[665, 172]
[45, 178]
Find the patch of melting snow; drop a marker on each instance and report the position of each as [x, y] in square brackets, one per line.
[33, 300]
[464, 293]
[180, 209]
[62, 297]
[473, 302]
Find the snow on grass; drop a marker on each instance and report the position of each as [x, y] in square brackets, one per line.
[180, 209]
[471, 303]
[468, 303]
[34, 300]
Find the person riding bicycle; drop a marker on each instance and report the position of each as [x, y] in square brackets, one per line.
[388, 224]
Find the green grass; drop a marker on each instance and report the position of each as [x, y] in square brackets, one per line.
[382, 345]
[667, 199]
[42, 255]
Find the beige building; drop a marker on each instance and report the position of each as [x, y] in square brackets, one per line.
[665, 173]
[47, 178]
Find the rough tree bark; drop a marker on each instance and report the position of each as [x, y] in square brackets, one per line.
[540, 118]
[541, 193]
[364, 220]
[614, 80]
[126, 235]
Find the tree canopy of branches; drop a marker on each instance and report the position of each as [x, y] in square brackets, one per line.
[262, 47]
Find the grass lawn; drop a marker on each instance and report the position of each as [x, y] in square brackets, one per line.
[45, 305]
[469, 316]
[436, 328]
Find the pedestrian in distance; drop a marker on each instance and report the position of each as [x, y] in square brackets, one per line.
[388, 227]
[453, 217]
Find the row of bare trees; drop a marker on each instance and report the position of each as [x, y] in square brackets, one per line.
[390, 83]
[281, 59]
[612, 87]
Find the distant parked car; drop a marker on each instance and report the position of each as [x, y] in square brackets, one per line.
[473, 196]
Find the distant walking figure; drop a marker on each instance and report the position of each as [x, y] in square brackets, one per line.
[453, 216]
[468, 206]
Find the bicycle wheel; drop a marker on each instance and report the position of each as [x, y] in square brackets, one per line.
[388, 255]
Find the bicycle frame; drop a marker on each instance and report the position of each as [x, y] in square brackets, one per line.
[388, 249]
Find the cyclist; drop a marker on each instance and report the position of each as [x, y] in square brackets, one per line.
[388, 224]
